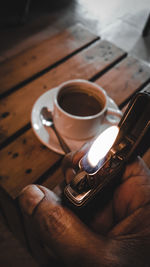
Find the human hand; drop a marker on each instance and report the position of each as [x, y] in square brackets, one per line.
[119, 235]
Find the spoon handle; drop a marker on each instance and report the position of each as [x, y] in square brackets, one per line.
[62, 143]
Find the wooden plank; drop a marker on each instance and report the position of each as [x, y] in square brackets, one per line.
[17, 107]
[35, 59]
[129, 75]
[23, 162]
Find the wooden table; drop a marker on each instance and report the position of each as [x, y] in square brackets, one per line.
[74, 53]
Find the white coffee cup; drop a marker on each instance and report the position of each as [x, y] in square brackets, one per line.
[71, 124]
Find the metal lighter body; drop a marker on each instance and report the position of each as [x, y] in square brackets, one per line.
[133, 139]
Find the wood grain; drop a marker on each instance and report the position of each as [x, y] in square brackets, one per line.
[35, 59]
[16, 108]
[128, 76]
[23, 162]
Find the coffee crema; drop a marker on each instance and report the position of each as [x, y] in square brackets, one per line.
[79, 103]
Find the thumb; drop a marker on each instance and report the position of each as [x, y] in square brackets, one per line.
[60, 229]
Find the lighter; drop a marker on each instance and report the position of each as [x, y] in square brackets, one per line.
[100, 169]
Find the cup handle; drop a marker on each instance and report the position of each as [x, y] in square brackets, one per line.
[113, 116]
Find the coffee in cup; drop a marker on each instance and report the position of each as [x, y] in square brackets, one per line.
[79, 109]
[79, 103]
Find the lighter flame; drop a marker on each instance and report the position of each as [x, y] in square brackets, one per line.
[102, 145]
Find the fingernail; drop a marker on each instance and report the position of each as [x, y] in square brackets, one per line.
[29, 198]
[69, 175]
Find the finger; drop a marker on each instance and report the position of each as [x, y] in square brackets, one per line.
[71, 160]
[68, 167]
[134, 191]
[81, 152]
[58, 227]
[136, 168]
[103, 220]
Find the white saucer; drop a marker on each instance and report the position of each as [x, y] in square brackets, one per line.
[47, 136]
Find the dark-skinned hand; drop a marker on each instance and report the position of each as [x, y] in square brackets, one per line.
[118, 235]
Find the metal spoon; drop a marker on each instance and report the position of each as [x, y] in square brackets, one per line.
[47, 120]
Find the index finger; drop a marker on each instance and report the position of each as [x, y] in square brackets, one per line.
[71, 160]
